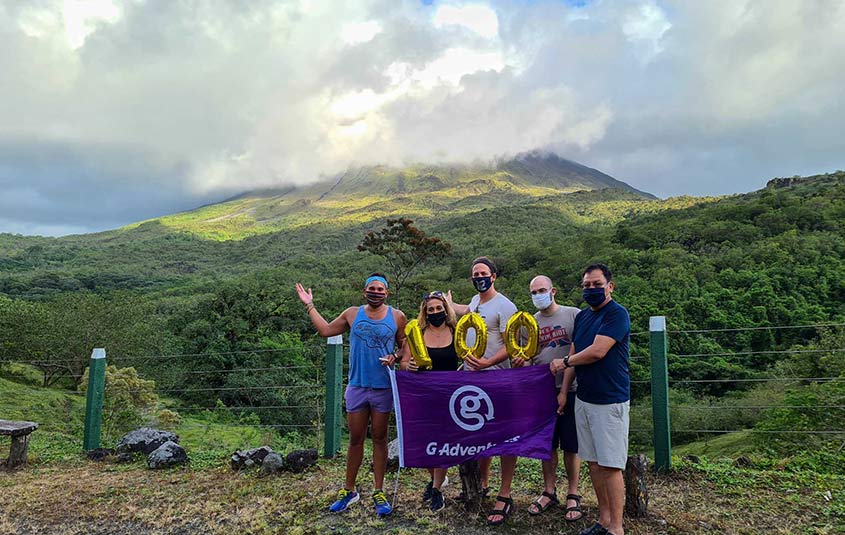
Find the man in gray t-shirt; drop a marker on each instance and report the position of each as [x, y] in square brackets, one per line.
[556, 324]
[496, 309]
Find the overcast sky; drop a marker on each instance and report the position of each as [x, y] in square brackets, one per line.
[115, 111]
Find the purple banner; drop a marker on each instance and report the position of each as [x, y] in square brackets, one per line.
[446, 418]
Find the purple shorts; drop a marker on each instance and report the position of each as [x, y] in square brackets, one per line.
[359, 398]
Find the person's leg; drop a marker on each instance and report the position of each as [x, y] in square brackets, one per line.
[438, 476]
[508, 467]
[598, 478]
[355, 453]
[549, 484]
[484, 468]
[614, 491]
[379, 438]
[573, 468]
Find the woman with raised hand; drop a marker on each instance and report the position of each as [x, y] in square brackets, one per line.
[376, 341]
[437, 323]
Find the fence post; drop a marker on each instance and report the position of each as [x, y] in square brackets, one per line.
[94, 401]
[334, 375]
[660, 393]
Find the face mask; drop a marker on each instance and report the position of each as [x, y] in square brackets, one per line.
[437, 318]
[542, 301]
[375, 299]
[482, 284]
[593, 296]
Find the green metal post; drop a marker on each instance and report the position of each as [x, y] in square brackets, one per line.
[334, 376]
[94, 403]
[660, 393]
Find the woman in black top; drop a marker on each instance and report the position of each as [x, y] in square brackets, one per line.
[437, 322]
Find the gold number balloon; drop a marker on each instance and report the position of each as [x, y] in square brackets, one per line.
[417, 345]
[518, 322]
[472, 320]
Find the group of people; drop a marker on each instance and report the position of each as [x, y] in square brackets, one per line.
[586, 350]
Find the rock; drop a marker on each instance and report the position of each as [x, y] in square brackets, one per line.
[144, 440]
[245, 458]
[125, 457]
[99, 454]
[743, 462]
[694, 459]
[392, 455]
[167, 455]
[273, 463]
[299, 460]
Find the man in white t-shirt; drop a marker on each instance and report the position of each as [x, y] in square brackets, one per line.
[496, 309]
[556, 324]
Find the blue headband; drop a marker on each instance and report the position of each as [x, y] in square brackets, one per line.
[376, 278]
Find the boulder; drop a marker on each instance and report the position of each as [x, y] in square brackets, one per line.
[694, 459]
[246, 458]
[743, 462]
[273, 463]
[393, 455]
[299, 460]
[167, 455]
[144, 440]
[125, 457]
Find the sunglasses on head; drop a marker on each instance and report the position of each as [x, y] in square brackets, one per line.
[433, 294]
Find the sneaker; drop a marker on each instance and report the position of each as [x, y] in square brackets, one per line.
[427, 491]
[383, 507]
[437, 501]
[595, 529]
[345, 498]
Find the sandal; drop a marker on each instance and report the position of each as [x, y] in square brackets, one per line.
[574, 509]
[504, 512]
[539, 508]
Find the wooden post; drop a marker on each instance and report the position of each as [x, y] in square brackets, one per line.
[636, 492]
[17, 452]
[660, 393]
[94, 401]
[334, 376]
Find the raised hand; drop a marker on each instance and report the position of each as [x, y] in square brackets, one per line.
[304, 295]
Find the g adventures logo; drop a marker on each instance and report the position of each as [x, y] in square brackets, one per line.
[470, 408]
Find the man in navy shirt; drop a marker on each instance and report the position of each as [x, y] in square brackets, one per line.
[599, 354]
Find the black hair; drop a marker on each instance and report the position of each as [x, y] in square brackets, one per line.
[377, 274]
[487, 262]
[601, 267]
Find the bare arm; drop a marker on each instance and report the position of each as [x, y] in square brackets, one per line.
[339, 325]
[401, 349]
[460, 309]
[592, 353]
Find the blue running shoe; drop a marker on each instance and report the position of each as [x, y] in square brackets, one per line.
[383, 507]
[345, 498]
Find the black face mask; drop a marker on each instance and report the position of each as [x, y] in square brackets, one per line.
[437, 318]
[482, 284]
[375, 299]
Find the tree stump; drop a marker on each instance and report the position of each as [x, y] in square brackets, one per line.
[470, 474]
[636, 492]
[19, 432]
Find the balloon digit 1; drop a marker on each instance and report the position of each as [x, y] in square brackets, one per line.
[516, 324]
[470, 321]
[417, 345]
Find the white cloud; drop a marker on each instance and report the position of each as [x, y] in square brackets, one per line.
[207, 98]
[479, 18]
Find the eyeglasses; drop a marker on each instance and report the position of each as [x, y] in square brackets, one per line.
[433, 294]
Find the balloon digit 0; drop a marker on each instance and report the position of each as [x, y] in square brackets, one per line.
[518, 322]
[471, 321]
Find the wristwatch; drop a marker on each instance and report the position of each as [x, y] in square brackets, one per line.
[566, 362]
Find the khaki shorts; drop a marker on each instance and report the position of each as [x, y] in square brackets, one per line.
[603, 433]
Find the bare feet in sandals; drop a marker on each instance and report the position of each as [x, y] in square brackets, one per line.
[573, 508]
[541, 504]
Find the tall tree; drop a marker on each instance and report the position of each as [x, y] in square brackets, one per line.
[404, 248]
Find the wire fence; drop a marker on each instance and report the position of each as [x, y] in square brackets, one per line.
[283, 389]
